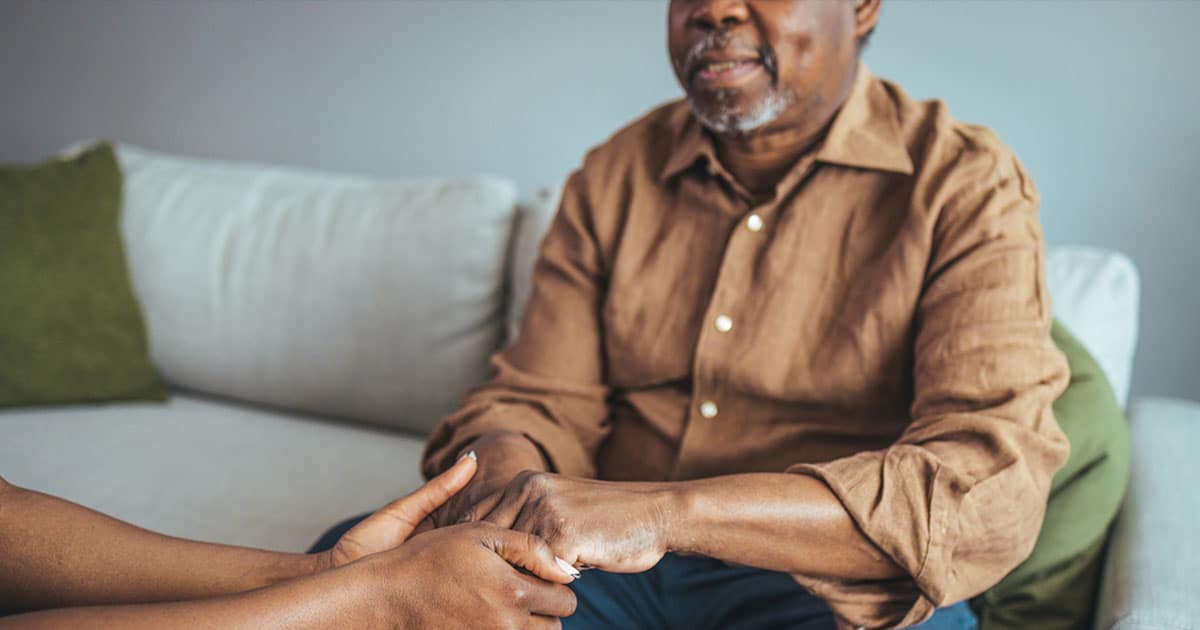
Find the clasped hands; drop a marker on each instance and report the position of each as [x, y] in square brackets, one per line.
[616, 527]
[444, 556]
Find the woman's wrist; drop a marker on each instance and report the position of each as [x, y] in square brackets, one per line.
[283, 567]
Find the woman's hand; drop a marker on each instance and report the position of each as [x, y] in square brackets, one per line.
[392, 524]
[475, 575]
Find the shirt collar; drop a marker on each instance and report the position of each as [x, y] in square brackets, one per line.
[690, 144]
[864, 134]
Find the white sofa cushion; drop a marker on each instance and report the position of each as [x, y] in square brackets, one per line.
[377, 300]
[1152, 570]
[533, 219]
[1095, 295]
[209, 470]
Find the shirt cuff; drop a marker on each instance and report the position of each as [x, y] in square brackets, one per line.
[898, 499]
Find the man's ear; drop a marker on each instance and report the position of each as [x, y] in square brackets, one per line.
[866, 14]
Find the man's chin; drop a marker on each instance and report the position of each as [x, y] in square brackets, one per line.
[728, 113]
[728, 121]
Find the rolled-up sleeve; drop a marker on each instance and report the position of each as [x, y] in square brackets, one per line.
[958, 500]
[548, 385]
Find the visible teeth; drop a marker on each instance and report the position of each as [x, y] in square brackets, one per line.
[723, 66]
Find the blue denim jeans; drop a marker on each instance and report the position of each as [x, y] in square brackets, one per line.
[696, 593]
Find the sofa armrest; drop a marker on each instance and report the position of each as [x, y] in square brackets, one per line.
[1152, 569]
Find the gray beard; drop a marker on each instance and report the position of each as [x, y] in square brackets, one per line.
[722, 117]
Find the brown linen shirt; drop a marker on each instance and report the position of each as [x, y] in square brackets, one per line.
[881, 323]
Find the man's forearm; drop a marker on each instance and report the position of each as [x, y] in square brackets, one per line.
[58, 554]
[781, 522]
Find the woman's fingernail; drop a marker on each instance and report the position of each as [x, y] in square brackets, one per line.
[470, 454]
[567, 568]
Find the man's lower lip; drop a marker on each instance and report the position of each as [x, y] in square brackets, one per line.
[729, 77]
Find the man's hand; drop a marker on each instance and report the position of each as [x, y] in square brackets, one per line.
[395, 522]
[502, 456]
[617, 527]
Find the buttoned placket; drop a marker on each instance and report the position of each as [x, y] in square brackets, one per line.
[749, 234]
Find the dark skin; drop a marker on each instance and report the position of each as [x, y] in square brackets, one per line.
[804, 54]
[805, 49]
[67, 566]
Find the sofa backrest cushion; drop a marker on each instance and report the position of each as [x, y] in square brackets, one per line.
[533, 219]
[1094, 291]
[368, 299]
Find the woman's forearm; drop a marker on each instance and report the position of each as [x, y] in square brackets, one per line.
[58, 554]
[329, 599]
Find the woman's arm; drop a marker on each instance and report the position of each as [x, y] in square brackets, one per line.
[321, 600]
[56, 554]
[456, 577]
[97, 572]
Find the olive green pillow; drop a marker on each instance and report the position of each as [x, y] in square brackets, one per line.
[71, 330]
[1055, 588]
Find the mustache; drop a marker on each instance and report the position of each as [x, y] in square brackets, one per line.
[721, 40]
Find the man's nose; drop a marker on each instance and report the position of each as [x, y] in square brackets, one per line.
[711, 15]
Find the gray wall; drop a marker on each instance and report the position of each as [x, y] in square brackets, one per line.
[1098, 98]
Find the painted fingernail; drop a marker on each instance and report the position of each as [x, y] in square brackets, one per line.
[567, 568]
[470, 454]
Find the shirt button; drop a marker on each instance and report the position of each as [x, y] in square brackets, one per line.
[754, 223]
[708, 409]
[723, 323]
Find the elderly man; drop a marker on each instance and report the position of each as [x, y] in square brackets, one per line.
[788, 351]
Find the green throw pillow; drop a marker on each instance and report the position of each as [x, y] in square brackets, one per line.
[71, 330]
[1055, 588]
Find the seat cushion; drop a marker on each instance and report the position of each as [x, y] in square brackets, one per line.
[370, 299]
[209, 470]
[1152, 569]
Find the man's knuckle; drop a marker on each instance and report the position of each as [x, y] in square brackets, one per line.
[522, 478]
[540, 482]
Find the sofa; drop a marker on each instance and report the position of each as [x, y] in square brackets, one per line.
[312, 327]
